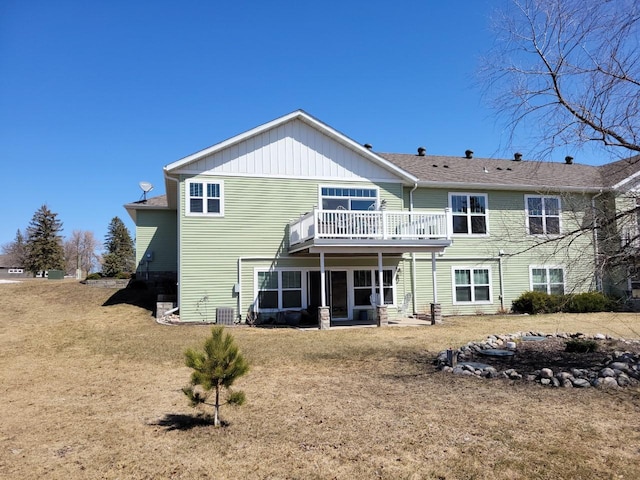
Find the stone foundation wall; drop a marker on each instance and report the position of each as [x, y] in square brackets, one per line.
[108, 283]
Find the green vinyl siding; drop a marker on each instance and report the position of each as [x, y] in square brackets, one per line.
[156, 233]
[254, 228]
[253, 235]
[507, 234]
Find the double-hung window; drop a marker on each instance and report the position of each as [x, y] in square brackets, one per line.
[338, 198]
[204, 198]
[365, 284]
[279, 289]
[469, 212]
[472, 285]
[547, 279]
[543, 214]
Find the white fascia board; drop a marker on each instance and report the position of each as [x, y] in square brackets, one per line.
[309, 120]
[497, 186]
[626, 180]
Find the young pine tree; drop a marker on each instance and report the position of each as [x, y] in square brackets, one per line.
[120, 252]
[43, 247]
[218, 366]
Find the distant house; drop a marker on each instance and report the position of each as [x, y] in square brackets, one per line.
[293, 215]
[10, 271]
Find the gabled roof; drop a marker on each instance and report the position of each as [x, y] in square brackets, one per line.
[498, 174]
[621, 173]
[306, 118]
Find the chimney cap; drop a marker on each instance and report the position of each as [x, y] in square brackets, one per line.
[422, 151]
[468, 153]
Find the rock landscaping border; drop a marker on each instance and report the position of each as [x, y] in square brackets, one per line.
[619, 369]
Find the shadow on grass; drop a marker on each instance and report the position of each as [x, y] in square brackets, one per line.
[180, 421]
[136, 296]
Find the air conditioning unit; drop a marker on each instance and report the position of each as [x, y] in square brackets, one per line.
[224, 315]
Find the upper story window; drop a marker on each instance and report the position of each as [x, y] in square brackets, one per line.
[547, 279]
[338, 198]
[469, 212]
[204, 198]
[543, 214]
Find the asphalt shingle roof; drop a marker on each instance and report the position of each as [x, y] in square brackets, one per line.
[489, 171]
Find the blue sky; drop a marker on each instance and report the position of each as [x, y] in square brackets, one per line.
[97, 96]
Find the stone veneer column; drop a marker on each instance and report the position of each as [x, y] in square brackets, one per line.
[324, 318]
[382, 315]
[436, 313]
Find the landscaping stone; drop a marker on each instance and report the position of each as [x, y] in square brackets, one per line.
[546, 373]
[619, 369]
[580, 383]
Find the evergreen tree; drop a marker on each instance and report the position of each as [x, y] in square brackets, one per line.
[120, 252]
[16, 250]
[218, 366]
[43, 247]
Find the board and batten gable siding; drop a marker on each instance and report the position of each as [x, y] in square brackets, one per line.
[507, 233]
[292, 150]
[257, 213]
[156, 231]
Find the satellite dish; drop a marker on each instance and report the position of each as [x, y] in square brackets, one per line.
[146, 187]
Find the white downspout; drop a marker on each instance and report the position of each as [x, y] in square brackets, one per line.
[414, 286]
[595, 241]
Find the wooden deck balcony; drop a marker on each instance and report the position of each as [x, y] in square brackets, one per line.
[370, 228]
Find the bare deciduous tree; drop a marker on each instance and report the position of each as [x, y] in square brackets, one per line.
[571, 68]
[80, 251]
[566, 73]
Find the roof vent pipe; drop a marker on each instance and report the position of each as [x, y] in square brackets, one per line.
[368, 146]
[421, 151]
[568, 160]
[468, 153]
[517, 157]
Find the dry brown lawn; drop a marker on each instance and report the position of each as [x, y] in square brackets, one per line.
[91, 391]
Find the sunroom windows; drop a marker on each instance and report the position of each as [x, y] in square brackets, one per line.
[204, 198]
[295, 289]
[469, 212]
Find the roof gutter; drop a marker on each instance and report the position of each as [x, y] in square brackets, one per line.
[496, 186]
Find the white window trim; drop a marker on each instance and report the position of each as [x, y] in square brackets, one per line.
[544, 215]
[303, 288]
[375, 287]
[358, 187]
[473, 300]
[305, 300]
[547, 268]
[468, 214]
[204, 213]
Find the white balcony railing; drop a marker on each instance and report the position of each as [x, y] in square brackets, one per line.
[380, 225]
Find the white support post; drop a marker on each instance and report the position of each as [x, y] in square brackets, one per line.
[380, 278]
[434, 277]
[323, 289]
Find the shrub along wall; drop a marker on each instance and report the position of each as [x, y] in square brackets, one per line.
[541, 302]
